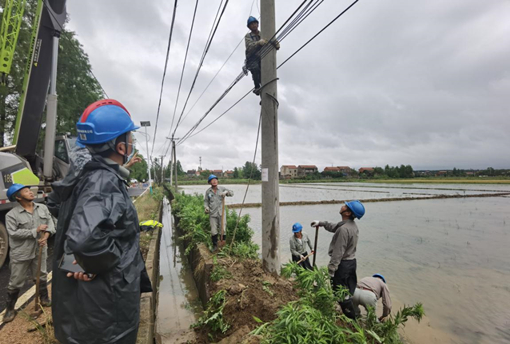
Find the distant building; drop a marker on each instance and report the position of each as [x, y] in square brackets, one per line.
[366, 170]
[442, 173]
[304, 170]
[228, 174]
[345, 169]
[333, 169]
[470, 174]
[288, 171]
[191, 173]
[217, 172]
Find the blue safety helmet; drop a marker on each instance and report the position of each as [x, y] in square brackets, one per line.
[211, 177]
[103, 121]
[251, 20]
[13, 190]
[380, 276]
[357, 208]
[296, 228]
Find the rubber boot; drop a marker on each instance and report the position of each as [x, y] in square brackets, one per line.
[214, 239]
[10, 312]
[44, 299]
[348, 308]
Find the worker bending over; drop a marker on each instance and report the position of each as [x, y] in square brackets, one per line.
[213, 205]
[29, 226]
[342, 250]
[368, 291]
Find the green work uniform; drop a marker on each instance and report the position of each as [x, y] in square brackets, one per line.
[24, 247]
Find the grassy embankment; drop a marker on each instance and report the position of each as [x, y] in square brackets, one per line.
[275, 309]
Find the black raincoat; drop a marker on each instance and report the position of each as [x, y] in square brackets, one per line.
[98, 223]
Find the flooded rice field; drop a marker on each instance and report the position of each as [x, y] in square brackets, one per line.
[450, 254]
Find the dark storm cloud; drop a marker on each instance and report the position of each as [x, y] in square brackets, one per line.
[396, 82]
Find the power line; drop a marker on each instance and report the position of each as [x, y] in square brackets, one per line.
[164, 74]
[265, 50]
[204, 54]
[219, 70]
[303, 15]
[184, 63]
[318, 33]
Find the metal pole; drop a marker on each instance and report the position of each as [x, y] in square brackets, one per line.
[175, 164]
[270, 193]
[51, 115]
[149, 159]
[315, 244]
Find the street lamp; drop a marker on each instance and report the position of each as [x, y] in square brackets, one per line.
[147, 124]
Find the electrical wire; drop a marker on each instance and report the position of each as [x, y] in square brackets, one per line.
[308, 11]
[184, 63]
[164, 74]
[318, 33]
[206, 50]
[267, 48]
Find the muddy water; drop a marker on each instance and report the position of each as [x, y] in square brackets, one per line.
[179, 304]
[452, 255]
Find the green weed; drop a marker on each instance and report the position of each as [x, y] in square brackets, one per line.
[213, 315]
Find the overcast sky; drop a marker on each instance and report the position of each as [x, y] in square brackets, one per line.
[425, 83]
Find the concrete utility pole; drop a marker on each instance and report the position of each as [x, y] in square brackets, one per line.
[162, 170]
[270, 193]
[175, 163]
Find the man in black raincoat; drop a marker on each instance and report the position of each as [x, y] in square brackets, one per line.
[98, 223]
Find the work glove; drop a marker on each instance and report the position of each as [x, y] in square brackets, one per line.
[262, 42]
[276, 44]
[207, 210]
[331, 274]
[315, 223]
[224, 193]
[302, 257]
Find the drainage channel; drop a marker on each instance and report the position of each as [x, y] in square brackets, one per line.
[178, 301]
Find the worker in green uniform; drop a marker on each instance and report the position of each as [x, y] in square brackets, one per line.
[213, 205]
[29, 225]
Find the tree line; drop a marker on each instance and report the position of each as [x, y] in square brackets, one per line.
[76, 86]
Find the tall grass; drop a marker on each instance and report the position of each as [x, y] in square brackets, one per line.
[313, 318]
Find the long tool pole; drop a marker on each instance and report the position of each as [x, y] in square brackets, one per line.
[269, 113]
[315, 244]
[222, 242]
[38, 279]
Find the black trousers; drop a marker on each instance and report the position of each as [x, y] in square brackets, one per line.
[305, 263]
[256, 75]
[346, 276]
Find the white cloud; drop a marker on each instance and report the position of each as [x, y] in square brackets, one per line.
[398, 82]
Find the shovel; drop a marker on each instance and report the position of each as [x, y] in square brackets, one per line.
[304, 258]
[37, 306]
[315, 244]
[221, 242]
